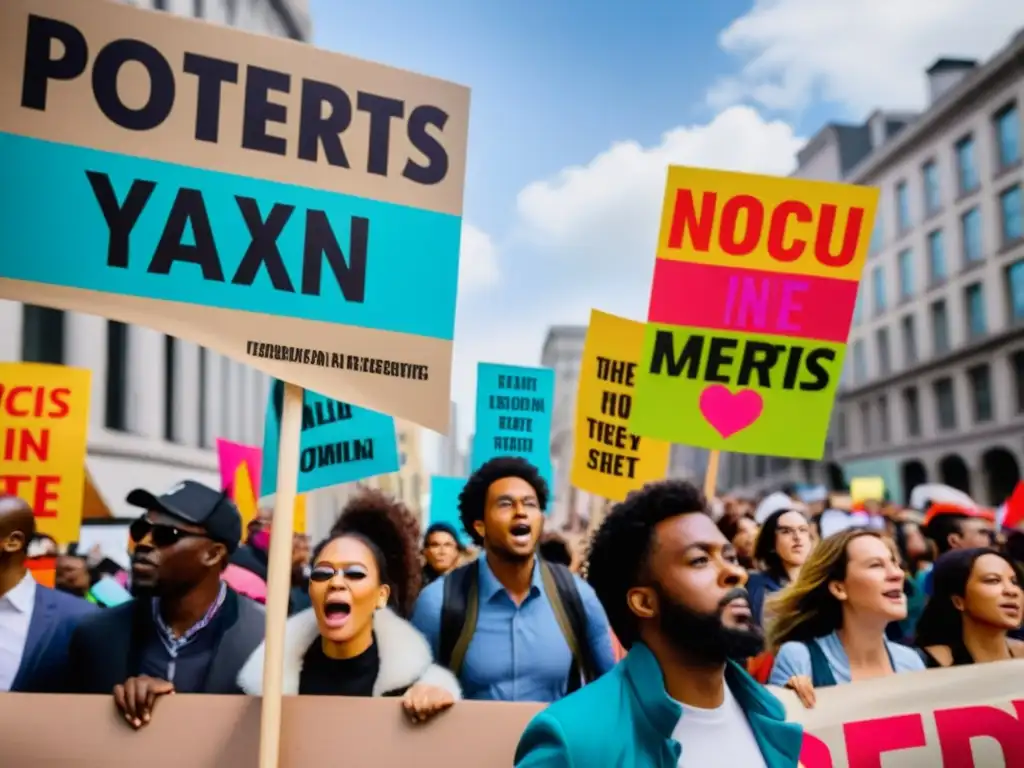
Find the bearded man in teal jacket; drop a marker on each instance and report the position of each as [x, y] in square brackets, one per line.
[673, 590]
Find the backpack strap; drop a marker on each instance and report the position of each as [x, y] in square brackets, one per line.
[459, 610]
[560, 588]
[821, 670]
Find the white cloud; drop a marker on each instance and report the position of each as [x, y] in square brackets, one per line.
[601, 219]
[860, 53]
[478, 260]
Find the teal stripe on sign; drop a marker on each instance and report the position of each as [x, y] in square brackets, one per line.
[55, 233]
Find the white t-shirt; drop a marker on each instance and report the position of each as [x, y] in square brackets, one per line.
[717, 738]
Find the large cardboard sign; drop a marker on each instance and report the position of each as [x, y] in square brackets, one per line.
[294, 209]
[751, 302]
[965, 717]
[513, 415]
[340, 442]
[609, 460]
[44, 429]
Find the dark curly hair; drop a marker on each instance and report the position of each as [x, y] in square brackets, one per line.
[388, 525]
[622, 545]
[473, 499]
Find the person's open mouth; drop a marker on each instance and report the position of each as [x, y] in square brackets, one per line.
[1011, 609]
[739, 611]
[336, 612]
[521, 533]
[894, 595]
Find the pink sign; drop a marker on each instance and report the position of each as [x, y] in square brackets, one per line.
[230, 455]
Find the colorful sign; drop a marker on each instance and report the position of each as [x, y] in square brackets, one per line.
[513, 415]
[294, 209]
[44, 428]
[240, 473]
[444, 502]
[610, 460]
[340, 443]
[867, 489]
[753, 293]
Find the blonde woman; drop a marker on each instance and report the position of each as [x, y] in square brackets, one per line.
[828, 626]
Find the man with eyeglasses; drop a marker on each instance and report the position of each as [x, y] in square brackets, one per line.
[185, 631]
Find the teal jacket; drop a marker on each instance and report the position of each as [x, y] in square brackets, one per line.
[625, 719]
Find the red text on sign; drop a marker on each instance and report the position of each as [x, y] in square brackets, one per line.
[746, 225]
[20, 444]
[34, 402]
[43, 491]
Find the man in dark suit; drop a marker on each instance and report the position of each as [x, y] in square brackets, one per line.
[185, 630]
[35, 622]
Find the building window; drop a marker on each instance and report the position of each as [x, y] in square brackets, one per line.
[906, 264]
[966, 168]
[858, 307]
[1007, 125]
[903, 207]
[1017, 364]
[932, 192]
[883, 419]
[936, 258]
[865, 420]
[878, 287]
[199, 9]
[860, 363]
[877, 236]
[203, 402]
[1011, 214]
[42, 335]
[116, 405]
[1015, 285]
[909, 338]
[760, 466]
[841, 428]
[170, 367]
[974, 299]
[981, 392]
[940, 327]
[970, 236]
[945, 404]
[884, 358]
[912, 412]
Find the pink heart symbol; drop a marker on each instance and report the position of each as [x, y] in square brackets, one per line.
[730, 412]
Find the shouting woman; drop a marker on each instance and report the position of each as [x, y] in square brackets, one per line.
[353, 641]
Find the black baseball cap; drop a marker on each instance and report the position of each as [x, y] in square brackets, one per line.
[197, 504]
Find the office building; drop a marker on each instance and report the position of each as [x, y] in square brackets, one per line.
[158, 403]
[933, 381]
[451, 460]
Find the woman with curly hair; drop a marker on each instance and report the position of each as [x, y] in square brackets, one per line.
[828, 626]
[354, 641]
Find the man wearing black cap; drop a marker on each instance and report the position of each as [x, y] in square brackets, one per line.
[185, 631]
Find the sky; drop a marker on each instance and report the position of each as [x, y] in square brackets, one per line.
[579, 106]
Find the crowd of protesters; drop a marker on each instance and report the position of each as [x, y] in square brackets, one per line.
[655, 652]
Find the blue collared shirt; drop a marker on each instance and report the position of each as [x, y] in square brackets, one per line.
[518, 653]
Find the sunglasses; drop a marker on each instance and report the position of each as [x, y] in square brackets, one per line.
[162, 535]
[324, 573]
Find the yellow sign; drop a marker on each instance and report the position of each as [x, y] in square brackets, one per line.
[867, 489]
[610, 460]
[44, 426]
[244, 496]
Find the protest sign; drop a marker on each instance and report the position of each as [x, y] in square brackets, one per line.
[291, 208]
[608, 459]
[513, 415]
[44, 428]
[754, 287]
[444, 502]
[340, 442]
[962, 717]
[240, 470]
[867, 489]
